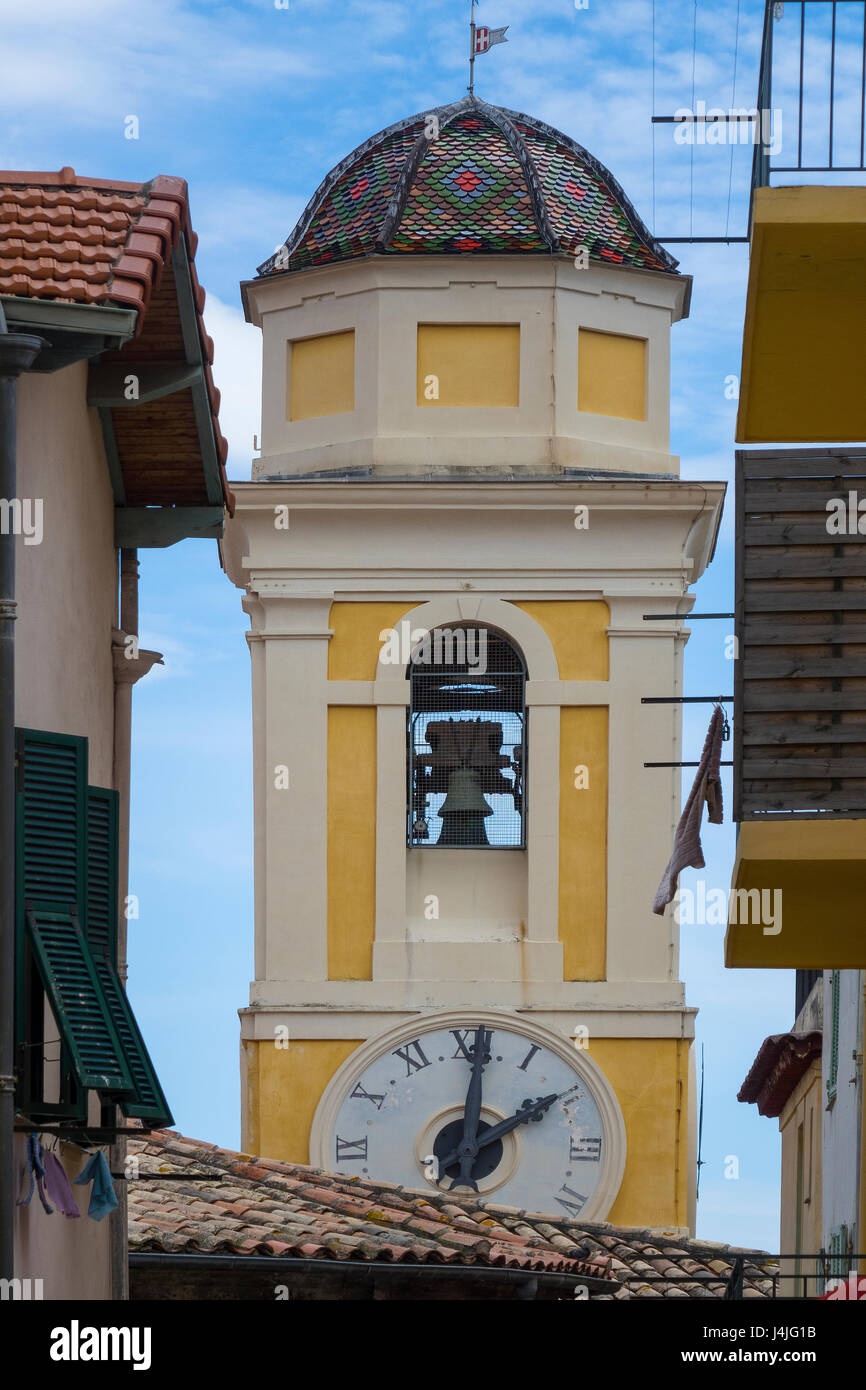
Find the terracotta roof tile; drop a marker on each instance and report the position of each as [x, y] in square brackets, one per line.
[94, 242]
[266, 1207]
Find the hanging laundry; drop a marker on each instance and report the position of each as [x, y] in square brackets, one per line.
[687, 852]
[57, 1186]
[36, 1168]
[103, 1198]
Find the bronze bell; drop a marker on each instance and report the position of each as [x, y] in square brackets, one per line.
[464, 810]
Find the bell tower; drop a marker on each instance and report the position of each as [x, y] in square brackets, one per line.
[464, 505]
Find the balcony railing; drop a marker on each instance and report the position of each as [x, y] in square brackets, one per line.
[813, 74]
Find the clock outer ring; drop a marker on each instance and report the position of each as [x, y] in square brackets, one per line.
[349, 1073]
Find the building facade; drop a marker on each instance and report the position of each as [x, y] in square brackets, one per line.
[800, 727]
[465, 504]
[111, 445]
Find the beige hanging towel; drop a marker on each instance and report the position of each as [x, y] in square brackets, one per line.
[687, 852]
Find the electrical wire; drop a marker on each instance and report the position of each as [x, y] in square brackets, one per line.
[692, 145]
[731, 126]
[652, 112]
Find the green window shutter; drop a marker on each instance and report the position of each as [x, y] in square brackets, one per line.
[147, 1101]
[102, 816]
[834, 1033]
[51, 884]
[51, 783]
[70, 980]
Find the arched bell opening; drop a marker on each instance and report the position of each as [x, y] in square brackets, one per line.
[466, 740]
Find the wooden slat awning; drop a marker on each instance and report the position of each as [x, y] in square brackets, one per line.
[800, 681]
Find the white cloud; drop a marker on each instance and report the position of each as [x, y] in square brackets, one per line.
[237, 371]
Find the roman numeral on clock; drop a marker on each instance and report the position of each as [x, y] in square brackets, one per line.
[528, 1058]
[576, 1207]
[465, 1040]
[413, 1056]
[351, 1149]
[360, 1094]
[584, 1150]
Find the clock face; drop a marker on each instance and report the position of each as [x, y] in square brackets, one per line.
[522, 1123]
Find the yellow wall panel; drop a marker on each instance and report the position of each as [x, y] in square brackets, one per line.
[651, 1079]
[321, 375]
[351, 841]
[283, 1086]
[578, 632]
[583, 742]
[353, 651]
[474, 364]
[611, 375]
[649, 1075]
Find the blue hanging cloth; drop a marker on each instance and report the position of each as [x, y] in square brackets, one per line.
[103, 1198]
[36, 1168]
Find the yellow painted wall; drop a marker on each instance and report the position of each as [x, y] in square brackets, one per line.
[353, 651]
[611, 375]
[351, 841]
[578, 631]
[651, 1079]
[583, 742]
[321, 375]
[282, 1087]
[649, 1075]
[804, 1107]
[476, 364]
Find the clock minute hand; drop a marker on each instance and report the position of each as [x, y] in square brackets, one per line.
[467, 1149]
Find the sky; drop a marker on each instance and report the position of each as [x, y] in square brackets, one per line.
[252, 102]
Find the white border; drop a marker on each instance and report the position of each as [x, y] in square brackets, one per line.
[347, 1075]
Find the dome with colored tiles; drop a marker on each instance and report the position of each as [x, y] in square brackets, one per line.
[469, 179]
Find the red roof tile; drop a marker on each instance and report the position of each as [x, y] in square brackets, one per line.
[235, 1202]
[98, 242]
[781, 1061]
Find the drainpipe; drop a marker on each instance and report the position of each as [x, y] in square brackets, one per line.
[861, 1088]
[130, 664]
[17, 352]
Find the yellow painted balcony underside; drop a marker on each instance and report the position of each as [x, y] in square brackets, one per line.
[820, 869]
[804, 343]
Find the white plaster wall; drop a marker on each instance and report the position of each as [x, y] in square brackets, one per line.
[67, 586]
[841, 1130]
[384, 299]
[64, 682]
[481, 895]
[70, 1256]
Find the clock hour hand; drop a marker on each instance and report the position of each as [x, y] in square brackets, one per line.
[467, 1149]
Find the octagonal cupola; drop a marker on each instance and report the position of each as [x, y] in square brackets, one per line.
[469, 291]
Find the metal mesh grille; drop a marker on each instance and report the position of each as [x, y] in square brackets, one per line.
[467, 745]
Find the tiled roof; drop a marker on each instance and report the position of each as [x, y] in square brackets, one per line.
[781, 1061]
[235, 1203]
[89, 241]
[467, 179]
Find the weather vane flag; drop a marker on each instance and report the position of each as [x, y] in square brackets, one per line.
[482, 39]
